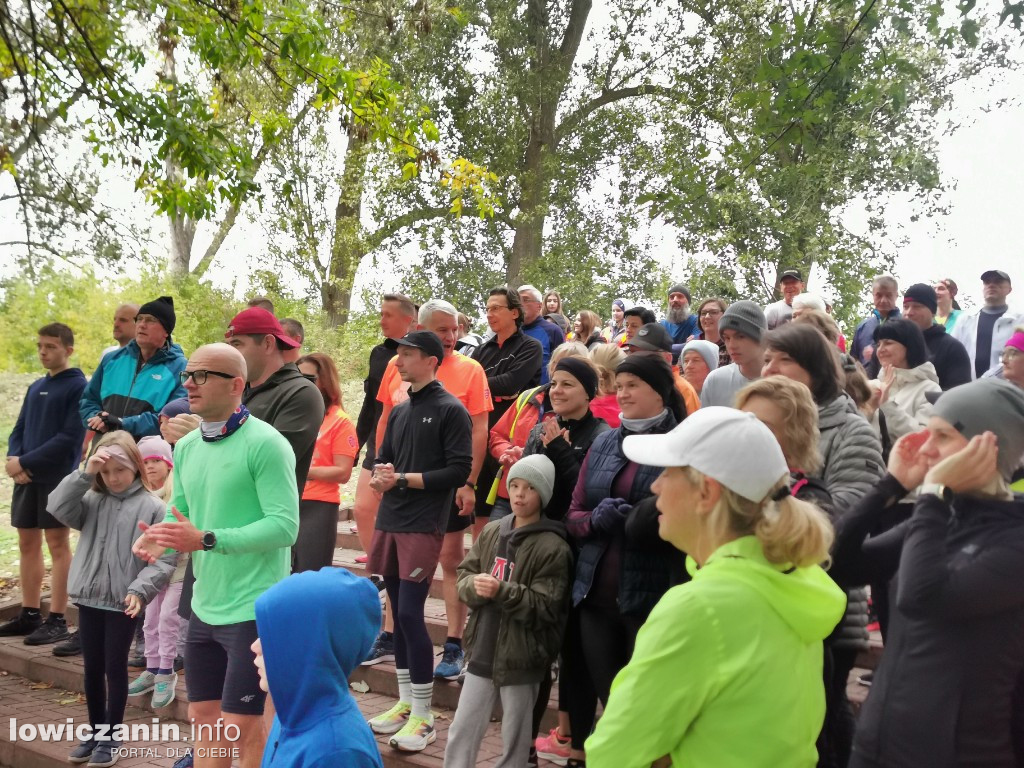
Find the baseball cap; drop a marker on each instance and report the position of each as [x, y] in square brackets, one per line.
[993, 275]
[257, 320]
[730, 446]
[652, 337]
[422, 340]
[793, 274]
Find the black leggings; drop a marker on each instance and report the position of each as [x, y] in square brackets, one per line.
[413, 650]
[106, 638]
[607, 639]
[576, 695]
[318, 528]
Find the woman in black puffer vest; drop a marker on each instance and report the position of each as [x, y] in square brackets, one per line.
[619, 578]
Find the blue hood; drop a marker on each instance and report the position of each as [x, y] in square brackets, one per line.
[315, 627]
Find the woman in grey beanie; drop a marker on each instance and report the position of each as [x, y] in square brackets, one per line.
[697, 360]
[944, 693]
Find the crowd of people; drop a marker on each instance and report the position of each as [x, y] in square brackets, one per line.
[691, 521]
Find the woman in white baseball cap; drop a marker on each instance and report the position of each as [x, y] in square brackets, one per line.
[727, 669]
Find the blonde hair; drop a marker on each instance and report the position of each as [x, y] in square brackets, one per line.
[799, 414]
[820, 320]
[565, 349]
[126, 443]
[791, 532]
[606, 358]
[167, 491]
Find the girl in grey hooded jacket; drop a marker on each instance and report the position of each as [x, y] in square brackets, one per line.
[108, 583]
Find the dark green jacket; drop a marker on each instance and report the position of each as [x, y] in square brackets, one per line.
[534, 601]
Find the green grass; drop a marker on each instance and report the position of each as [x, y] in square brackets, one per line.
[12, 392]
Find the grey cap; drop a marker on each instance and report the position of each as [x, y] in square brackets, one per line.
[706, 349]
[745, 317]
[538, 471]
[988, 405]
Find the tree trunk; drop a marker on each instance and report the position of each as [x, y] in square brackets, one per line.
[549, 70]
[348, 246]
[182, 228]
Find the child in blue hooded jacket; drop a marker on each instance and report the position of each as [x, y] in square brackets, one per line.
[317, 723]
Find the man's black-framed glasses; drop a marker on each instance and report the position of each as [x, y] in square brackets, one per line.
[200, 376]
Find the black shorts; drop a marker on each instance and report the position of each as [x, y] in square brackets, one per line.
[457, 522]
[28, 506]
[219, 666]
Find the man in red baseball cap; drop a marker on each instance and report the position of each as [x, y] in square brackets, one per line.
[277, 392]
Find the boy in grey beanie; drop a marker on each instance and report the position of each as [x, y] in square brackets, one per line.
[743, 327]
[516, 581]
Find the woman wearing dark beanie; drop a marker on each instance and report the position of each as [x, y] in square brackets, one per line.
[624, 567]
[564, 436]
[900, 403]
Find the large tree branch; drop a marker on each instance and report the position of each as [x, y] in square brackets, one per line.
[392, 227]
[574, 119]
[40, 126]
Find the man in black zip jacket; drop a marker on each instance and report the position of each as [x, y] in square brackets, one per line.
[512, 362]
[948, 355]
[426, 456]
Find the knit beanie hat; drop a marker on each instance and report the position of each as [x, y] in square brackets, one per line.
[163, 310]
[909, 335]
[653, 371]
[988, 405]
[176, 407]
[744, 317]
[706, 349]
[582, 371]
[619, 303]
[539, 472]
[153, 447]
[922, 294]
[680, 288]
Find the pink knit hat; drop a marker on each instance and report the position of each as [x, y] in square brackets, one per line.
[153, 447]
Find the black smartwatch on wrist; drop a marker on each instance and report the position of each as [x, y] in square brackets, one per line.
[209, 540]
[402, 482]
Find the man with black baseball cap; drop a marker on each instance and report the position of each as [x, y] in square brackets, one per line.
[425, 457]
[984, 333]
[791, 285]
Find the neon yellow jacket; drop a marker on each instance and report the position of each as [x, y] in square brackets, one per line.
[727, 671]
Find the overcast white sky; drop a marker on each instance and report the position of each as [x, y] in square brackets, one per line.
[980, 165]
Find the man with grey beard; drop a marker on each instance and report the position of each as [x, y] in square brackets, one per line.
[679, 322]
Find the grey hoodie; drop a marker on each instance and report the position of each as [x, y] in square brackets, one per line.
[104, 570]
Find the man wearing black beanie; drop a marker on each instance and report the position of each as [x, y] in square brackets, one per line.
[133, 383]
[950, 358]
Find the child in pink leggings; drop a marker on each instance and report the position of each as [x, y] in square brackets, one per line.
[162, 627]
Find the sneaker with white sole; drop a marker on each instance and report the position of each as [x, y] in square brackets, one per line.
[383, 650]
[453, 663]
[393, 720]
[553, 747]
[416, 735]
[144, 683]
[163, 690]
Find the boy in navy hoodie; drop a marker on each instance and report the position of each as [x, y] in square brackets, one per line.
[44, 446]
[317, 723]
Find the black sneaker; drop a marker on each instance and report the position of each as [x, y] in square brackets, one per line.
[104, 755]
[82, 752]
[20, 625]
[137, 660]
[179, 663]
[50, 631]
[70, 647]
